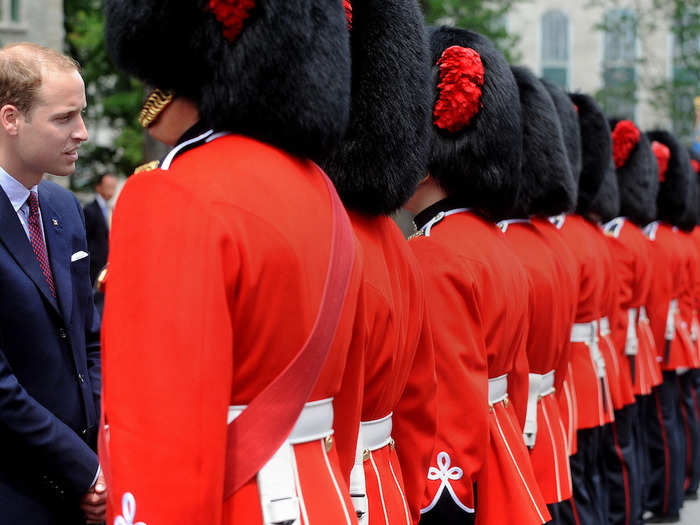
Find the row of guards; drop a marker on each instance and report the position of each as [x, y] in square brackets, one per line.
[275, 351]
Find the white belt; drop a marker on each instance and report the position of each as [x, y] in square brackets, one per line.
[604, 327]
[588, 333]
[276, 485]
[376, 434]
[584, 332]
[372, 436]
[670, 320]
[498, 389]
[541, 385]
[632, 342]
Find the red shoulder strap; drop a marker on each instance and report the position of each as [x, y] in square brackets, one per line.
[255, 435]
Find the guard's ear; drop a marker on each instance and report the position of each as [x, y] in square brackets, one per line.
[9, 117]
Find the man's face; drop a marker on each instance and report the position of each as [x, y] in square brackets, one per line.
[107, 187]
[49, 136]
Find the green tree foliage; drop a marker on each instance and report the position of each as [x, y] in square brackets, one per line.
[485, 17]
[673, 87]
[114, 98]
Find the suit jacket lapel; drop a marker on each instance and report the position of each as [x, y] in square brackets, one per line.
[59, 253]
[14, 238]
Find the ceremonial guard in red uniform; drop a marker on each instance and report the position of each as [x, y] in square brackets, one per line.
[666, 433]
[638, 187]
[568, 291]
[478, 292]
[691, 490]
[619, 463]
[231, 317]
[547, 187]
[593, 403]
[376, 168]
[686, 326]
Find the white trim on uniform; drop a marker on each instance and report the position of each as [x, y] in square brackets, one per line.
[165, 165]
[335, 482]
[432, 222]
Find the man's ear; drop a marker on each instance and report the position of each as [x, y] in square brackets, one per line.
[9, 117]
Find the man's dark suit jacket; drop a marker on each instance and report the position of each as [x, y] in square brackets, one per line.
[49, 367]
[97, 233]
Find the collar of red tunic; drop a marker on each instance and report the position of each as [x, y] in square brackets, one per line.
[444, 205]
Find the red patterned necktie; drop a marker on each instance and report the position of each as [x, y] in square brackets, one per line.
[37, 239]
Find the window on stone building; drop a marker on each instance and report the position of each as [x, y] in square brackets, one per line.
[619, 64]
[555, 47]
[15, 15]
[684, 87]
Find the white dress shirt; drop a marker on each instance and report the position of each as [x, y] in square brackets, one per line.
[18, 195]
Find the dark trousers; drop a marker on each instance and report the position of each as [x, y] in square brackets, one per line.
[447, 512]
[666, 448]
[590, 501]
[560, 513]
[621, 468]
[691, 428]
[642, 442]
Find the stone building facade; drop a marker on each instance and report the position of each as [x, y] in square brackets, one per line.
[562, 40]
[38, 21]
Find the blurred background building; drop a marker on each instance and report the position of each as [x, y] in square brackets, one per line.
[637, 58]
[39, 21]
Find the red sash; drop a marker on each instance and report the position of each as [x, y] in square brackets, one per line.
[255, 435]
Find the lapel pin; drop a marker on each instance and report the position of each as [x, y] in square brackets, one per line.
[54, 222]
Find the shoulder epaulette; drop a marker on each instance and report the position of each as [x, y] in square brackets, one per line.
[614, 227]
[149, 166]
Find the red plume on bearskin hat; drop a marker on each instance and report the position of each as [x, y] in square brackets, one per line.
[546, 186]
[596, 144]
[476, 136]
[384, 153]
[673, 200]
[625, 137]
[637, 175]
[275, 70]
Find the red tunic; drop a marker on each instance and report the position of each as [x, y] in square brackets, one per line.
[583, 239]
[695, 237]
[399, 372]
[478, 297]
[629, 249]
[616, 365]
[568, 297]
[686, 300]
[667, 285]
[217, 267]
[549, 325]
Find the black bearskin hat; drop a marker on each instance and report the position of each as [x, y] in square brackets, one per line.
[637, 172]
[695, 173]
[385, 151]
[476, 145]
[596, 149]
[606, 203]
[690, 217]
[570, 128]
[278, 71]
[672, 202]
[546, 185]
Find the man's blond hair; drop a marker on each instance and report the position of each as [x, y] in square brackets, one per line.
[21, 68]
